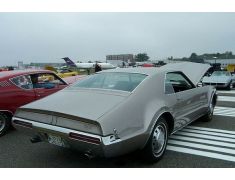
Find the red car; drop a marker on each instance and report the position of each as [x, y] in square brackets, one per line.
[20, 87]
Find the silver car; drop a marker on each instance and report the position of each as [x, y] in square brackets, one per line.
[121, 110]
[219, 79]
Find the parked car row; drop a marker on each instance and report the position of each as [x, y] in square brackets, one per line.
[117, 111]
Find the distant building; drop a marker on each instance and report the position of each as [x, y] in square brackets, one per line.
[120, 59]
[123, 57]
[20, 65]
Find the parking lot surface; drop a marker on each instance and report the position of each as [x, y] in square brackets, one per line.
[201, 144]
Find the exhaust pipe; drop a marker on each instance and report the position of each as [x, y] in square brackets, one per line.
[35, 139]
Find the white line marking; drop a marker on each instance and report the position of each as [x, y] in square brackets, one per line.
[206, 137]
[224, 111]
[222, 114]
[226, 92]
[211, 129]
[201, 146]
[204, 141]
[208, 133]
[224, 108]
[201, 153]
[232, 110]
[226, 98]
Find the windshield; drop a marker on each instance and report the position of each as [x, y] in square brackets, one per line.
[221, 73]
[115, 81]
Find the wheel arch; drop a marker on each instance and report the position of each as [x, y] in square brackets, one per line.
[9, 114]
[213, 98]
[170, 122]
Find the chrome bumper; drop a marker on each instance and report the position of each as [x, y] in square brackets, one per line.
[107, 146]
[217, 85]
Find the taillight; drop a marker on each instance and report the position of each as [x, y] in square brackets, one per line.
[84, 138]
[23, 123]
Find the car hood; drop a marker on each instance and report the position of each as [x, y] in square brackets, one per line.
[216, 79]
[87, 104]
[194, 71]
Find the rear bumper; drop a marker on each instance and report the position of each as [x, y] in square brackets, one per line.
[104, 146]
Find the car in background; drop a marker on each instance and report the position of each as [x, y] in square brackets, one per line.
[20, 87]
[66, 73]
[118, 111]
[219, 79]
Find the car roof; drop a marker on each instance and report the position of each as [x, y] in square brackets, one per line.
[140, 70]
[194, 71]
[22, 72]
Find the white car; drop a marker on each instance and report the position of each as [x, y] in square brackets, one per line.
[219, 79]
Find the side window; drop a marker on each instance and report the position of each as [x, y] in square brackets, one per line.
[45, 80]
[177, 81]
[23, 81]
[169, 88]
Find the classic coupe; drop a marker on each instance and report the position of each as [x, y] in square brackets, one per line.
[219, 79]
[20, 87]
[118, 111]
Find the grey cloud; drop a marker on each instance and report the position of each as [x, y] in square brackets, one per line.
[46, 37]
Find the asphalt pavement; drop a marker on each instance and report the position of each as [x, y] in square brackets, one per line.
[201, 144]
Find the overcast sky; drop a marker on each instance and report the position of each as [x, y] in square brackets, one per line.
[47, 37]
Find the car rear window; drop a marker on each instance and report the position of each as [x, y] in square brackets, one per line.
[23, 81]
[115, 81]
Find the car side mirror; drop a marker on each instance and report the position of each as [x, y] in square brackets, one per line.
[199, 84]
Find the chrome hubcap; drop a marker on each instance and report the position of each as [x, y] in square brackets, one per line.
[159, 138]
[2, 124]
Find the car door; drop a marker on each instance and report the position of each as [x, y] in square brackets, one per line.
[189, 98]
[45, 84]
[21, 93]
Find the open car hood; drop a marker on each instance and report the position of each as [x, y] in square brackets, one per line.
[194, 71]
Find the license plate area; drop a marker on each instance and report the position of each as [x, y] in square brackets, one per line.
[56, 140]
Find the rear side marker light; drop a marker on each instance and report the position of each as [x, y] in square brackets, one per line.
[22, 123]
[84, 138]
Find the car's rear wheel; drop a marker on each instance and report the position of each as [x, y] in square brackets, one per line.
[230, 86]
[156, 145]
[4, 124]
[209, 115]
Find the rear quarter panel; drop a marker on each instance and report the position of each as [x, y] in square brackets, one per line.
[136, 116]
[12, 97]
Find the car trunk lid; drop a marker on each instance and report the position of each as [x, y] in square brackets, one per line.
[87, 104]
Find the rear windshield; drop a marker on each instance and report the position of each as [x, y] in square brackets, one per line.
[115, 81]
